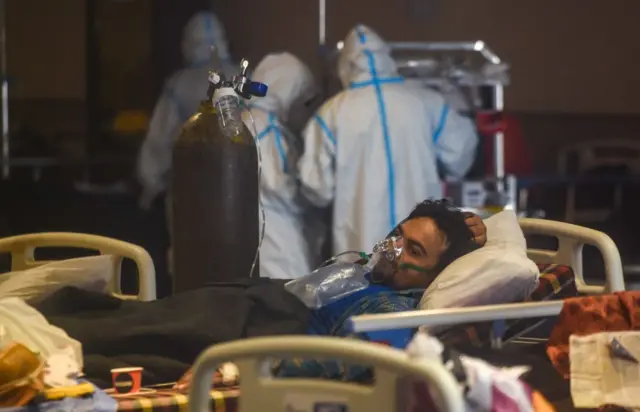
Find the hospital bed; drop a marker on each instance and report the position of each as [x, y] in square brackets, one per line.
[248, 353]
[571, 240]
[22, 251]
[265, 393]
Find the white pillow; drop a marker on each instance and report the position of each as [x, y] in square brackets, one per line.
[498, 272]
[92, 273]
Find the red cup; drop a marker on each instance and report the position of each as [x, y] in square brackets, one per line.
[126, 380]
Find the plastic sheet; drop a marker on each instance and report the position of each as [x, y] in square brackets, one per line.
[347, 273]
[329, 283]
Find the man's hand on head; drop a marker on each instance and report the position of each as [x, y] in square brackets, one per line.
[477, 227]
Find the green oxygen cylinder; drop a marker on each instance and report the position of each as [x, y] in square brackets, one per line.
[215, 189]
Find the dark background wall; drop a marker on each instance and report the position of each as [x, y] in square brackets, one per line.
[567, 56]
[574, 70]
[574, 62]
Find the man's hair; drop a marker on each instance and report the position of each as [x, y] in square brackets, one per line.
[451, 222]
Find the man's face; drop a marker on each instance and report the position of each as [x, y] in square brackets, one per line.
[423, 244]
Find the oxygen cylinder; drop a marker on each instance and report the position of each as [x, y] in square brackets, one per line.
[214, 191]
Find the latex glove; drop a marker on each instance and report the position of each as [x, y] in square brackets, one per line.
[477, 227]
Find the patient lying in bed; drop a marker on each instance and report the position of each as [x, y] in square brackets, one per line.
[433, 236]
[168, 333]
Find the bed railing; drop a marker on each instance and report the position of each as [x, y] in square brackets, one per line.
[268, 393]
[22, 249]
[455, 316]
[571, 240]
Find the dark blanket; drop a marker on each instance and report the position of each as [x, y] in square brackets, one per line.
[165, 336]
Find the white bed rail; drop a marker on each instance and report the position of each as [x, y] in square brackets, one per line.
[455, 316]
[22, 249]
[265, 393]
[571, 240]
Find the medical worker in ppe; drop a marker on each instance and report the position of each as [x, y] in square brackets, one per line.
[284, 253]
[375, 148]
[204, 47]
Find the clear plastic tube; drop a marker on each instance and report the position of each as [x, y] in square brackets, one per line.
[260, 204]
[229, 115]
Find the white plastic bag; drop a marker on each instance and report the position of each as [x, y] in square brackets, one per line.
[486, 387]
[92, 273]
[19, 322]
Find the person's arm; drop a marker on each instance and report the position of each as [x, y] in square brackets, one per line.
[454, 140]
[338, 370]
[154, 161]
[316, 167]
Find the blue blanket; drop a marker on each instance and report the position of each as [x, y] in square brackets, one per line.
[331, 320]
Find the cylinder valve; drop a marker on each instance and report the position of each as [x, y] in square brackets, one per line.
[225, 96]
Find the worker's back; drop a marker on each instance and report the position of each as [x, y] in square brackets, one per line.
[284, 252]
[374, 149]
[386, 158]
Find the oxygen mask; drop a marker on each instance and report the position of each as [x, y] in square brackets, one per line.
[387, 259]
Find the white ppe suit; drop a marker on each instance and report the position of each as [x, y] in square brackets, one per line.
[284, 253]
[374, 148]
[180, 99]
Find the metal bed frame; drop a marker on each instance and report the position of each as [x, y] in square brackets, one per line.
[22, 250]
[571, 240]
[263, 392]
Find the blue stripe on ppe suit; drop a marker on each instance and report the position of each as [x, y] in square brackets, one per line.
[284, 253]
[443, 119]
[326, 130]
[386, 161]
[272, 127]
[376, 82]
